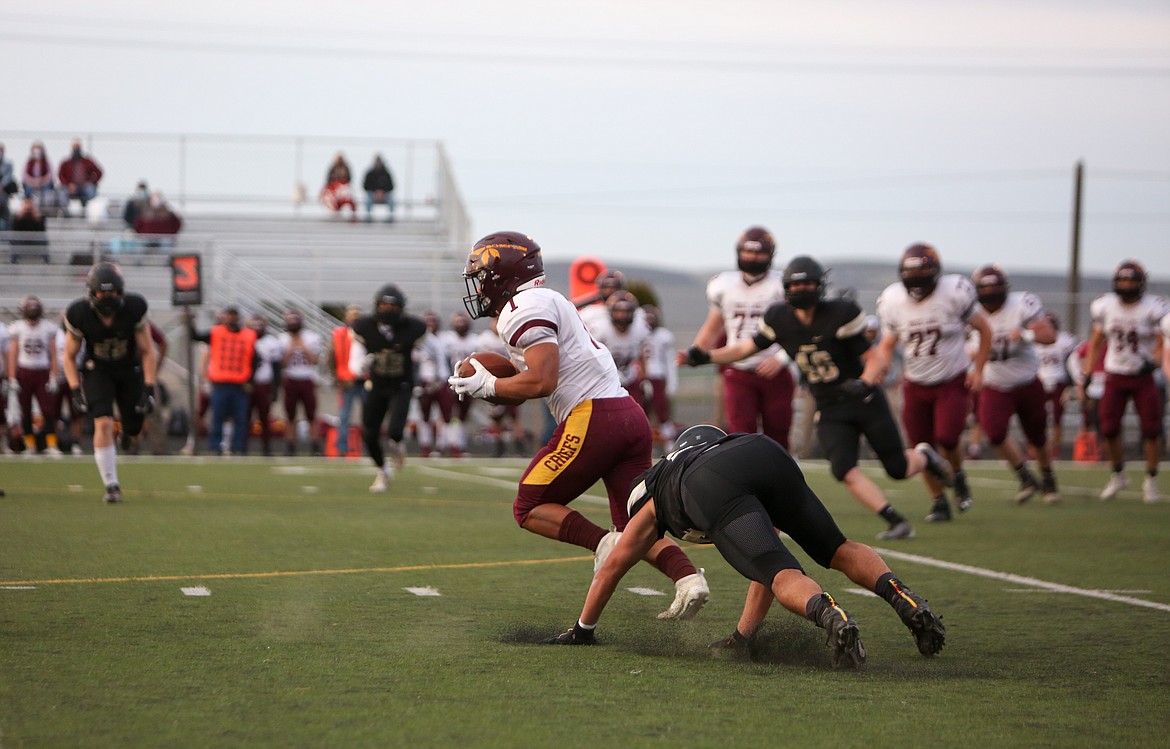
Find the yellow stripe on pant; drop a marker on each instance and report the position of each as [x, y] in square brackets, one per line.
[567, 449]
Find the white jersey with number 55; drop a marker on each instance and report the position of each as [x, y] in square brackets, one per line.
[932, 332]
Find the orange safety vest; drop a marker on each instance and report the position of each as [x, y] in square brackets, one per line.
[230, 357]
[342, 342]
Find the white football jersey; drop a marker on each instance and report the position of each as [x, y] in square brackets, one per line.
[541, 315]
[626, 348]
[660, 348]
[33, 342]
[1166, 329]
[1130, 330]
[460, 347]
[1053, 370]
[433, 364]
[269, 352]
[932, 332]
[1012, 363]
[742, 306]
[298, 366]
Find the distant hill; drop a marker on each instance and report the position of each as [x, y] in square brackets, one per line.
[684, 306]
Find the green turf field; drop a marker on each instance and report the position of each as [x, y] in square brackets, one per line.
[309, 636]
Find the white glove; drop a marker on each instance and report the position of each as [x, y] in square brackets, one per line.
[690, 594]
[13, 386]
[51, 385]
[482, 384]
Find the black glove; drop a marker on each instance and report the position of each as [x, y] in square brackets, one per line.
[80, 404]
[697, 357]
[854, 388]
[145, 404]
[734, 641]
[1148, 367]
[575, 635]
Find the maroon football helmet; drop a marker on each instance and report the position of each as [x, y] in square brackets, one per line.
[496, 267]
[919, 269]
[758, 239]
[610, 281]
[1129, 281]
[991, 284]
[622, 306]
[31, 308]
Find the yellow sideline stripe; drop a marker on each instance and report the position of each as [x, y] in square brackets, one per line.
[294, 573]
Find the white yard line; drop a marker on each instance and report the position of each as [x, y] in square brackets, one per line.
[1103, 595]
[480, 479]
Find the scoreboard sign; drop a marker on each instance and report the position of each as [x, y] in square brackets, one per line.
[186, 281]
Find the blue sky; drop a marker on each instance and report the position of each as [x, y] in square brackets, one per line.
[657, 131]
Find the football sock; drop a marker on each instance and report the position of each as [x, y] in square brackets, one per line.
[816, 606]
[884, 587]
[890, 515]
[1118, 467]
[107, 463]
[673, 563]
[577, 530]
[1153, 472]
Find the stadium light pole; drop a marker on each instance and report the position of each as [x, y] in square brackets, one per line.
[1074, 271]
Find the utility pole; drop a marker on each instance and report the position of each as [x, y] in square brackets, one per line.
[1074, 271]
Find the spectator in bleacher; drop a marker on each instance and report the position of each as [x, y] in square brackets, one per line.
[8, 187]
[30, 222]
[79, 175]
[157, 220]
[138, 201]
[337, 194]
[379, 187]
[38, 174]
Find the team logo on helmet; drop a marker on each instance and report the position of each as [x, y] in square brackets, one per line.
[497, 266]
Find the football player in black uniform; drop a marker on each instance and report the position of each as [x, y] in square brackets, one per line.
[381, 352]
[826, 338]
[119, 365]
[734, 492]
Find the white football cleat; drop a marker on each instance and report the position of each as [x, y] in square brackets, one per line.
[381, 482]
[608, 541]
[690, 594]
[1117, 482]
[1150, 493]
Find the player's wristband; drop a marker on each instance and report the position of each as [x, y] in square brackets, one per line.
[696, 356]
[1027, 335]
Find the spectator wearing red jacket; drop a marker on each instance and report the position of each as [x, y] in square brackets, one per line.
[156, 219]
[79, 175]
[38, 174]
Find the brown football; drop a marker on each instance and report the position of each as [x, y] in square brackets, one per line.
[498, 365]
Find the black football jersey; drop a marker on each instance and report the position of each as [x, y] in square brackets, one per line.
[110, 345]
[828, 351]
[391, 346]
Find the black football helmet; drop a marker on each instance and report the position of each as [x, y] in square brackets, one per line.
[389, 303]
[106, 287]
[756, 238]
[802, 269]
[497, 266]
[700, 434]
[991, 284]
[1129, 281]
[31, 308]
[919, 269]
